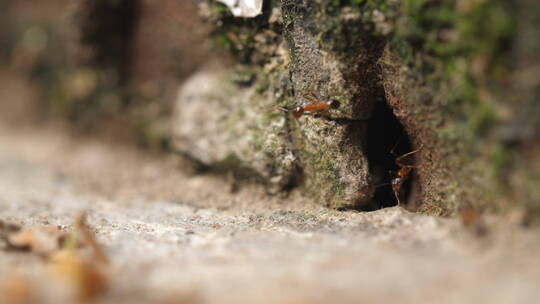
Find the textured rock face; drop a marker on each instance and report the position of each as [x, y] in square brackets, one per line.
[368, 56]
[330, 59]
[219, 121]
[221, 124]
[331, 54]
[431, 76]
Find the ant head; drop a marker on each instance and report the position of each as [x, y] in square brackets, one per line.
[334, 104]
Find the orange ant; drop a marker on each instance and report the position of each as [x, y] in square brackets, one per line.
[314, 106]
[402, 174]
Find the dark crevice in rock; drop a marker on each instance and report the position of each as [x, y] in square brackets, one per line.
[106, 33]
[387, 140]
[298, 173]
[107, 30]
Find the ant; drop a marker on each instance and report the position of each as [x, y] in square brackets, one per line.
[402, 174]
[314, 106]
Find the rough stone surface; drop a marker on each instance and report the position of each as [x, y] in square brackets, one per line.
[225, 126]
[440, 68]
[177, 237]
[458, 76]
[324, 155]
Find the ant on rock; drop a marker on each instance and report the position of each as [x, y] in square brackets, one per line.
[402, 174]
[314, 106]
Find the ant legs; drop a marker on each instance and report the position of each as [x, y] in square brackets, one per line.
[402, 174]
[399, 159]
[396, 194]
[396, 184]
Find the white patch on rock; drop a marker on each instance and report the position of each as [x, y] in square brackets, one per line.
[244, 8]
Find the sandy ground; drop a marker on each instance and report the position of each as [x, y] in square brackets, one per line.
[175, 237]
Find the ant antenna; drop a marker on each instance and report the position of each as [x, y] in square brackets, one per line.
[412, 152]
[398, 160]
[395, 145]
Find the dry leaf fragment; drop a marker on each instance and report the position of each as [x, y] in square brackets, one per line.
[17, 289]
[76, 260]
[88, 239]
[86, 278]
[40, 240]
[7, 229]
[82, 263]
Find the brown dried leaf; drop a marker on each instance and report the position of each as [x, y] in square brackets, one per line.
[88, 239]
[83, 275]
[82, 262]
[76, 260]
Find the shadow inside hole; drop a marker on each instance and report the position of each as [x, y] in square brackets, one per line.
[387, 140]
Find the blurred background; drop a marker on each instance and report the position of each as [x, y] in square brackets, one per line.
[109, 67]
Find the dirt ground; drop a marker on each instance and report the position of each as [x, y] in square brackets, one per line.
[176, 237]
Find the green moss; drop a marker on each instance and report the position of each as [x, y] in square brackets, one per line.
[224, 42]
[445, 42]
[501, 159]
[220, 10]
[444, 36]
[366, 5]
[481, 117]
[245, 75]
[454, 53]
[238, 35]
[262, 85]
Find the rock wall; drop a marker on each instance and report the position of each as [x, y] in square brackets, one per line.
[424, 76]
